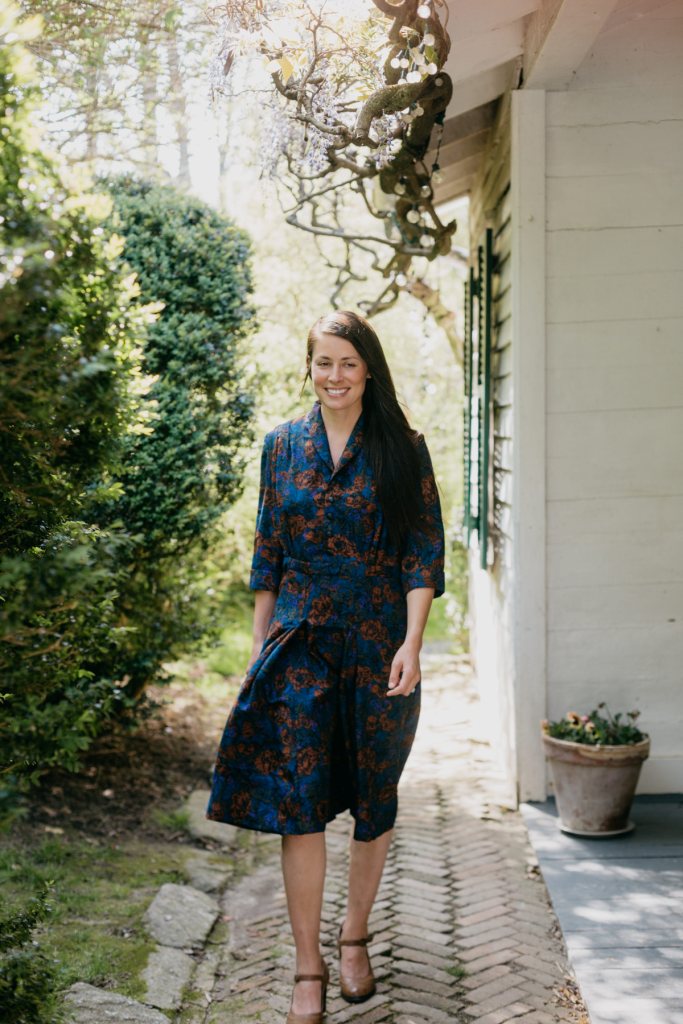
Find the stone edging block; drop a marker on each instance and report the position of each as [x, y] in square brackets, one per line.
[167, 973]
[181, 916]
[87, 1004]
[199, 825]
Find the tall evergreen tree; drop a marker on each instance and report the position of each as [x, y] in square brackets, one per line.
[182, 473]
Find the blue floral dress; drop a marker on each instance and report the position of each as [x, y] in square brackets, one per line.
[312, 731]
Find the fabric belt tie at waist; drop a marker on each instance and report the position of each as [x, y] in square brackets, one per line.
[347, 568]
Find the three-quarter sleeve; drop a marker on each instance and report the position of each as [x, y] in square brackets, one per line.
[266, 566]
[422, 562]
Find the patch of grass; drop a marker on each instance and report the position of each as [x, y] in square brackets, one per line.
[100, 893]
[444, 622]
[195, 674]
[174, 821]
[438, 624]
[193, 1000]
[227, 1011]
[230, 656]
[457, 971]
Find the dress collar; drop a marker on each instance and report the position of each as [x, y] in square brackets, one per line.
[318, 435]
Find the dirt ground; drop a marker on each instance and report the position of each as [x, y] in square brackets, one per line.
[131, 779]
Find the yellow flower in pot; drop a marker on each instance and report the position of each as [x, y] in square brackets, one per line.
[595, 762]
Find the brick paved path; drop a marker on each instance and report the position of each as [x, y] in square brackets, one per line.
[462, 925]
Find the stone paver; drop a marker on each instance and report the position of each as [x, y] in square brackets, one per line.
[206, 871]
[86, 1004]
[464, 933]
[181, 916]
[199, 825]
[167, 973]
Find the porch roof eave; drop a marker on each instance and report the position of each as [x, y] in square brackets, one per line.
[487, 44]
[492, 41]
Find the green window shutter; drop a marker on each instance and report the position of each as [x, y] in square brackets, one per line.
[467, 407]
[477, 405]
[484, 369]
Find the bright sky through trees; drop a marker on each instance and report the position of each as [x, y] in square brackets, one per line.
[204, 134]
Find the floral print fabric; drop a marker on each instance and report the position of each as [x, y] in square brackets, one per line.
[313, 731]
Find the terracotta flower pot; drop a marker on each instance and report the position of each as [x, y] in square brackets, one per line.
[594, 786]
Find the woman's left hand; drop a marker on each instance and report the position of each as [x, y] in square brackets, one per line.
[405, 670]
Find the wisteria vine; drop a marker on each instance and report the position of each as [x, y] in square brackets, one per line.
[356, 115]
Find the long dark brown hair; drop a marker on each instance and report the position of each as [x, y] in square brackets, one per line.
[388, 438]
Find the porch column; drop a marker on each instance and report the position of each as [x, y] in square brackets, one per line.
[529, 427]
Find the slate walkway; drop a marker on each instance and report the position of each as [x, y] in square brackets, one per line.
[620, 904]
[463, 928]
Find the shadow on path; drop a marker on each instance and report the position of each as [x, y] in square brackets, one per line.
[620, 904]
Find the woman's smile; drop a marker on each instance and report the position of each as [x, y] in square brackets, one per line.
[338, 374]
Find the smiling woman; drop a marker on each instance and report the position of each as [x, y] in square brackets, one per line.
[359, 369]
[338, 374]
[348, 556]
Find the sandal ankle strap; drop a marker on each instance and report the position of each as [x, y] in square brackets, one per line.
[353, 942]
[308, 977]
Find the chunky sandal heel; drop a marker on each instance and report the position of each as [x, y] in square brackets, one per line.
[356, 990]
[312, 1018]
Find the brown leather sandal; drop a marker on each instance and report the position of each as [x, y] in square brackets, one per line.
[356, 990]
[312, 1018]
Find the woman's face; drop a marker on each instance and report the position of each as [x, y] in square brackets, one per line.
[338, 373]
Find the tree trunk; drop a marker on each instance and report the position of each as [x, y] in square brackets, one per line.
[91, 127]
[147, 62]
[224, 114]
[442, 315]
[178, 103]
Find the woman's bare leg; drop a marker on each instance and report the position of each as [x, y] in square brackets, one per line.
[303, 870]
[366, 863]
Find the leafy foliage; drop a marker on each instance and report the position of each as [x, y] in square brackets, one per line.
[109, 68]
[68, 328]
[185, 469]
[120, 436]
[59, 618]
[596, 729]
[70, 385]
[27, 977]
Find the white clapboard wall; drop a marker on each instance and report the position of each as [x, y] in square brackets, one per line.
[614, 360]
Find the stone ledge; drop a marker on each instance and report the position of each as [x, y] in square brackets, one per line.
[181, 916]
[199, 825]
[205, 874]
[167, 973]
[87, 1004]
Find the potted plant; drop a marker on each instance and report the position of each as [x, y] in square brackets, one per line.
[595, 761]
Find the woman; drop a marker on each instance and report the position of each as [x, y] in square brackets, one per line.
[348, 556]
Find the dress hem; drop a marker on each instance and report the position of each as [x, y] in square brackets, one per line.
[292, 832]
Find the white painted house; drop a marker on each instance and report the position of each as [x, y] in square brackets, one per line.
[566, 131]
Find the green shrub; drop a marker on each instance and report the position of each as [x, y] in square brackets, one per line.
[70, 330]
[120, 433]
[185, 470]
[27, 976]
